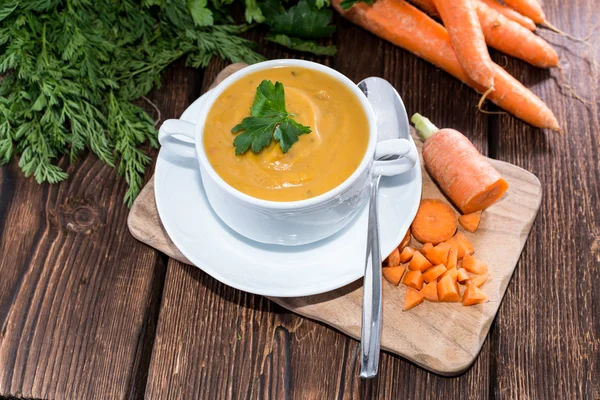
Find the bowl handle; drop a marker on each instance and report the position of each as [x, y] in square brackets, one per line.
[394, 157]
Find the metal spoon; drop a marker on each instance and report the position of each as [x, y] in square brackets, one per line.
[392, 123]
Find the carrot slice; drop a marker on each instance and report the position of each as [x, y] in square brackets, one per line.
[405, 241]
[393, 274]
[435, 222]
[473, 265]
[452, 273]
[462, 275]
[430, 292]
[473, 295]
[462, 243]
[393, 260]
[434, 272]
[470, 221]
[426, 247]
[439, 254]
[478, 280]
[413, 279]
[419, 262]
[407, 254]
[452, 257]
[448, 289]
[413, 298]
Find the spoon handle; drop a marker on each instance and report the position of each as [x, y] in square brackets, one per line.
[371, 310]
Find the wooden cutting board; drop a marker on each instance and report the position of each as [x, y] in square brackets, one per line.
[442, 337]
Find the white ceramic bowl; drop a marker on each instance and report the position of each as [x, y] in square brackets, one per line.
[292, 222]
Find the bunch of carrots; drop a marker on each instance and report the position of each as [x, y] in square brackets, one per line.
[460, 46]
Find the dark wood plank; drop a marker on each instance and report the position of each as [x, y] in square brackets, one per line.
[545, 339]
[78, 295]
[216, 342]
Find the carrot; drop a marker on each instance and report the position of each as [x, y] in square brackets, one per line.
[452, 256]
[452, 273]
[464, 245]
[529, 8]
[510, 14]
[407, 254]
[426, 247]
[473, 265]
[430, 292]
[462, 275]
[419, 262]
[460, 170]
[413, 279]
[448, 289]
[405, 241]
[439, 254]
[461, 21]
[433, 273]
[393, 260]
[478, 280]
[514, 40]
[470, 222]
[393, 274]
[413, 298]
[473, 296]
[412, 30]
[435, 221]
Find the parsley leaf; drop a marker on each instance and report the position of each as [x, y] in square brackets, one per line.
[269, 120]
[302, 45]
[202, 16]
[303, 20]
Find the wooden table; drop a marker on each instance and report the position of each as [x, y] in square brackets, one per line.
[86, 311]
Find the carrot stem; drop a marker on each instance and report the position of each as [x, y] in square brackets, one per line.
[424, 126]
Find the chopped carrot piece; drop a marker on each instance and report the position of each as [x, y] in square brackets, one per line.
[435, 222]
[393, 274]
[430, 292]
[473, 295]
[419, 262]
[413, 279]
[452, 272]
[462, 275]
[405, 241]
[426, 247]
[464, 246]
[393, 260]
[413, 298]
[470, 221]
[478, 280]
[473, 265]
[407, 254]
[452, 257]
[434, 272]
[448, 289]
[439, 254]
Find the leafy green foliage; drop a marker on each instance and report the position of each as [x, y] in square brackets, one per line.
[302, 45]
[304, 20]
[269, 119]
[73, 67]
[346, 4]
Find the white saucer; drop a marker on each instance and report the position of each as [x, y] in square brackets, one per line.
[272, 270]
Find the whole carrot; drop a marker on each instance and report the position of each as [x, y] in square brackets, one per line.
[529, 8]
[412, 30]
[461, 171]
[510, 14]
[461, 21]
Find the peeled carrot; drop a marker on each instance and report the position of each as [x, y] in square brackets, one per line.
[393, 260]
[429, 291]
[473, 295]
[452, 273]
[405, 241]
[460, 170]
[433, 273]
[393, 274]
[439, 254]
[407, 254]
[419, 262]
[470, 221]
[412, 30]
[462, 275]
[464, 245]
[529, 8]
[473, 265]
[413, 279]
[461, 21]
[478, 280]
[510, 14]
[435, 221]
[426, 247]
[413, 298]
[448, 289]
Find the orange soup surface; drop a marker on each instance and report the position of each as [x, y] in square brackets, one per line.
[318, 162]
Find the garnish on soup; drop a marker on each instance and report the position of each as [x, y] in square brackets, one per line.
[269, 120]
